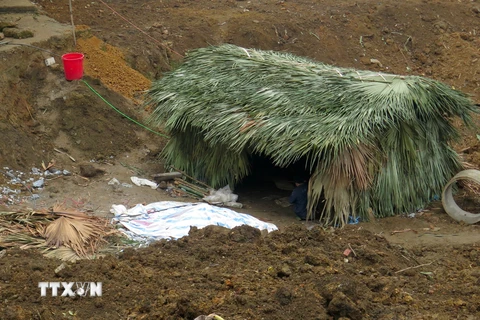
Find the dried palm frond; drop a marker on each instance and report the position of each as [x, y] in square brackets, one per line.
[65, 233]
[63, 253]
[470, 187]
[60, 210]
[27, 217]
[23, 222]
[72, 232]
[22, 240]
[371, 140]
[68, 254]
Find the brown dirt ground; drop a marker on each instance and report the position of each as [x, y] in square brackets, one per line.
[296, 273]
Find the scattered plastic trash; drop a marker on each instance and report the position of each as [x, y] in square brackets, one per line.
[20, 181]
[223, 196]
[6, 190]
[113, 182]
[353, 220]
[233, 204]
[54, 172]
[49, 61]
[143, 182]
[39, 183]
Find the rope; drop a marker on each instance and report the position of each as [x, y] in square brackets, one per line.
[123, 114]
[131, 23]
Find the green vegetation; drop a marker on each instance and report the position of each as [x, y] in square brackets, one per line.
[372, 141]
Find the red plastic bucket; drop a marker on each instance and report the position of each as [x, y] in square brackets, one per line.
[73, 65]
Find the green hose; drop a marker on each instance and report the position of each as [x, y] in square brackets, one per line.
[123, 114]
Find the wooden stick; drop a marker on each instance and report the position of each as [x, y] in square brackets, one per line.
[186, 175]
[179, 183]
[191, 191]
[77, 175]
[30, 113]
[190, 185]
[419, 266]
[166, 176]
[59, 151]
[73, 25]
[402, 231]
[352, 250]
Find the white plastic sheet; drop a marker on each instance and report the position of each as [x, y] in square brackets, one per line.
[222, 195]
[172, 220]
[143, 182]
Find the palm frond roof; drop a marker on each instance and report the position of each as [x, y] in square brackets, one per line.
[287, 107]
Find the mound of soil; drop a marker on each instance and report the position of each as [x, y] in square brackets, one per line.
[240, 274]
[107, 63]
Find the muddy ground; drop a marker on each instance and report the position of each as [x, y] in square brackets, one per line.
[429, 271]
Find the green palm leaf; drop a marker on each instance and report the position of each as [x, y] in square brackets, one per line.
[371, 140]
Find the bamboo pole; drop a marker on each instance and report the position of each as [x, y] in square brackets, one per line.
[191, 178]
[191, 192]
[192, 186]
[73, 25]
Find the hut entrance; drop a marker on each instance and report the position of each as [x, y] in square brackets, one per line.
[268, 182]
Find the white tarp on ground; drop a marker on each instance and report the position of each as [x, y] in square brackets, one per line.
[172, 220]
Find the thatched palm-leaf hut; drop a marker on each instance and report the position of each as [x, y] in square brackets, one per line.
[371, 141]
